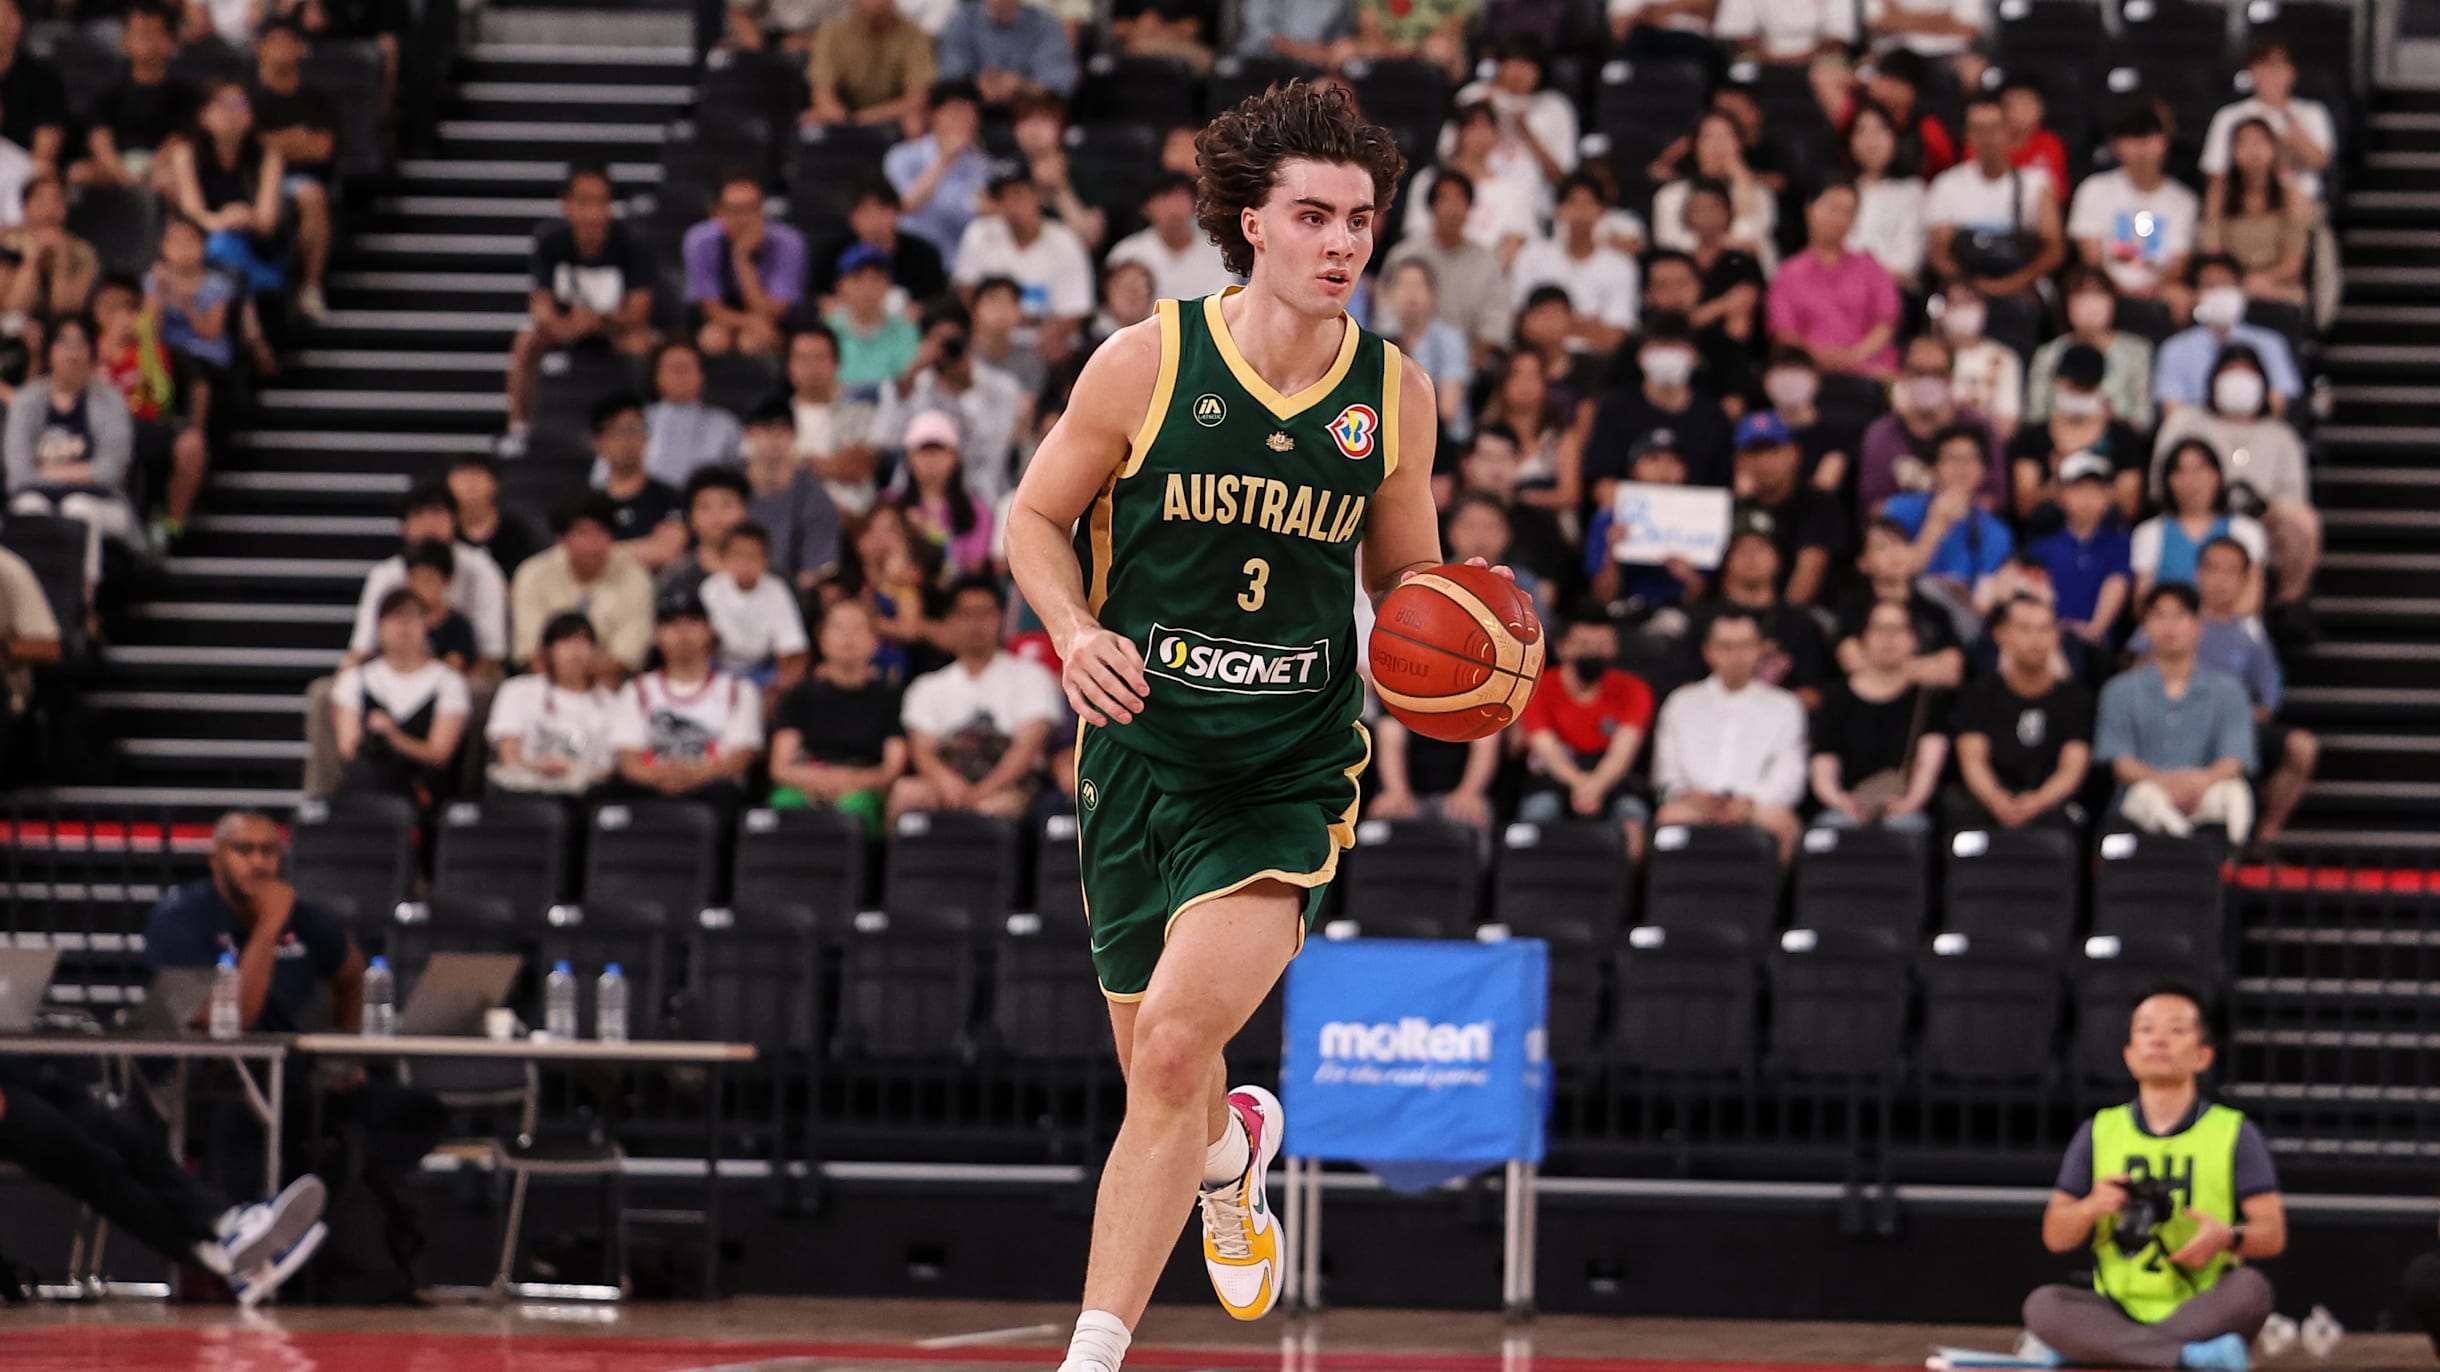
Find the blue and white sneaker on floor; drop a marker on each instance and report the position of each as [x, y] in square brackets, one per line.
[2032, 1352]
[256, 1235]
[255, 1285]
[2226, 1353]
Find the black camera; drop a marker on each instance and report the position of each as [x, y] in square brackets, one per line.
[2151, 1203]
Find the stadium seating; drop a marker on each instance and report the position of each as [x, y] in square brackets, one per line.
[1713, 877]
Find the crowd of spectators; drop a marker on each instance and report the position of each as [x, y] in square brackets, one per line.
[1975, 416]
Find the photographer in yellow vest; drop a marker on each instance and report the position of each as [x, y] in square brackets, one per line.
[2171, 1196]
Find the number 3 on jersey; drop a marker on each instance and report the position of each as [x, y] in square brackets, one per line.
[1252, 597]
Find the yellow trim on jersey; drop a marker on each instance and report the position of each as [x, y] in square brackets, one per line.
[1104, 507]
[1393, 372]
[1164, 386]
[1342, 838]
[1282, 407]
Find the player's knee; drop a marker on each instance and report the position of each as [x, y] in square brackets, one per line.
[1171, 1063]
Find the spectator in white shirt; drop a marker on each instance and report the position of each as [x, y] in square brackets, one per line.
[476, 588]
[1601, 282]
[1730, 749]
[1471, 281]
[399, 718]
[831, 427]
[1934, 28]
[2134, 222]
[1987, 376]
[1788, 32]
[1184, 262]
[1991, 223]
[1889, 196]
[2307, 138]
[1537, 126]
[977, 728]
[688, 731]
[550, 729]
[1043, 256]
[1508, 200]
[1719, 155]
[754, 614]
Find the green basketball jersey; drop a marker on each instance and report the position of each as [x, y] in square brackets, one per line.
[1225, 545]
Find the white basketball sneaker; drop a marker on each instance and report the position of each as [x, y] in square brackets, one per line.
[1243, 1243]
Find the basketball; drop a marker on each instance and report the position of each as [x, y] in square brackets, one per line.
[1455, 653]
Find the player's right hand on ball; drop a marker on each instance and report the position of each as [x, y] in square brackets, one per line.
[1104, 677]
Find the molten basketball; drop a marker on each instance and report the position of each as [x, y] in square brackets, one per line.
[1455, 653]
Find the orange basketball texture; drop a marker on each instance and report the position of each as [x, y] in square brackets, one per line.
[1455, 653]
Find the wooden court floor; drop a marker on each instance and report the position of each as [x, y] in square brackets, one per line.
[788, 1335]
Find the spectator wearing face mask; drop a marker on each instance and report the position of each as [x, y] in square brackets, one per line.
[2183, 372]
[1668, 400]
[1988, 376]
[1583, 729]
[2264, 464]
[1898, 448]
[2080, 422]
[1792, 384]
[2126, 359]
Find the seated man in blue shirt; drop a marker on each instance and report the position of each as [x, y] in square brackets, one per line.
[2178, 734]
[2234, 643]
[2181, 375]
[1956, 540]
[2088, 558]
[287, 950]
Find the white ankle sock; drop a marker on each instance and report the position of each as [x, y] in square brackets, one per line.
[1100, 1342]
[1227, 1160]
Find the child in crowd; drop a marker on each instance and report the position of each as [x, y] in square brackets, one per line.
[755, 615]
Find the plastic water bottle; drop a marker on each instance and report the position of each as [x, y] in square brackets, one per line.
[228, 1018]
[2322, 1332]
[559, 1002]
[380, 1000]
[610, 1006]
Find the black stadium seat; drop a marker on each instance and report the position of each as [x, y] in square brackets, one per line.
[501, 861]
[2157, 886]
[655, 859]
[790, 862]
[1990, 1010]
[1151, 90]
[1687, 1002]
[907, 986]
[1058, 880]
[1838, 1006]
[951, 868]
[1861, 881]
[1642, 107]
[355, 856]
[2114, 973]
[1564, 881]
[54, 549]
[1413, 878]
[2016, 882]
[1046, 1002]
[123, 224]
[1722, 877]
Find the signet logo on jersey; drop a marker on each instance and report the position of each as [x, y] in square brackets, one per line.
[1353, 430]
[1235, 666]
[1210, 410]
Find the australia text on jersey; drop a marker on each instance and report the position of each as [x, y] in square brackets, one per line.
[1280, 507]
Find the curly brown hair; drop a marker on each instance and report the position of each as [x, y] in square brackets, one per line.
[1239, 155]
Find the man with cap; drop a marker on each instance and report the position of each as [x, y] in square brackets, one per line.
[585, 571]
[2079, 420]
[2088, 559]
[1044, 257]
[876, 343]
[788, 500]
[1804, 522]
[688, 731]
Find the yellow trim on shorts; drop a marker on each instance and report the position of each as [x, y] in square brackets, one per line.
[1110, 995]
[1282, 407]
[1342, 838]
[1164, 389]
[1393, 373]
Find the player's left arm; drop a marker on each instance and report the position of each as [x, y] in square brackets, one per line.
[1402, 532]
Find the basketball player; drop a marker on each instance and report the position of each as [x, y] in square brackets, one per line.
[1189, 534]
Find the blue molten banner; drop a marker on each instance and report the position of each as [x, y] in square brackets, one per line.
[1418, 1060]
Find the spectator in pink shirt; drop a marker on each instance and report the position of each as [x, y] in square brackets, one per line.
[1840, 306]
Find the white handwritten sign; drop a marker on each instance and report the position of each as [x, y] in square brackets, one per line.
[1652, 524]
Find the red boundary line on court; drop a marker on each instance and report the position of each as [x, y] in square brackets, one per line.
[364, 1351]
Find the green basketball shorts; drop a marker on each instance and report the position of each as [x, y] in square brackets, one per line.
[1152, 850]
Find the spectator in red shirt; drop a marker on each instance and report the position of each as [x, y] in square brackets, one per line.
[2022, 110]
[1583, 728]
[1895, 83]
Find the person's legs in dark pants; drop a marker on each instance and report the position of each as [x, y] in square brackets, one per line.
[2089, 1330]
[399, 1125]
[127, 1179]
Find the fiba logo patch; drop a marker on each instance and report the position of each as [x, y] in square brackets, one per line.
[1210, 410]
[1088, 793]
[1353, 431]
